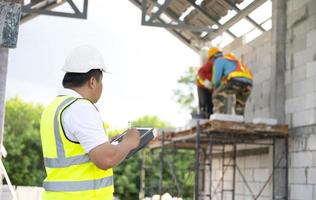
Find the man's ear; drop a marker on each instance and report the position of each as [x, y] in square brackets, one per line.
[92, 82]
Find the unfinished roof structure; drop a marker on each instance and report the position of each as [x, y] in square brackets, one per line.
[32, 8]
[198, 23]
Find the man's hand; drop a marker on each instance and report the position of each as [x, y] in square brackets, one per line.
[132, 138]
[207, 84]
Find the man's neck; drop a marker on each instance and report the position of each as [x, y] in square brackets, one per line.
[82, 91]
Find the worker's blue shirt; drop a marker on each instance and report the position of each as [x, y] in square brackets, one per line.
[222, 67]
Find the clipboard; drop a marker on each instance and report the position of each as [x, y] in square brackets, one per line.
[146, 135]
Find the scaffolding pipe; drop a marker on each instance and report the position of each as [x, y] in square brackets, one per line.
[161, 155]
[197, 159]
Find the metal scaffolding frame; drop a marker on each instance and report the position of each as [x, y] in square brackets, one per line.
[209, 143]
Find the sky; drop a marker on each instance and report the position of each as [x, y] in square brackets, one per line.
[145, 62]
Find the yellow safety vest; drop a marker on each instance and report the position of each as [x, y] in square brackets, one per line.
[70, 173]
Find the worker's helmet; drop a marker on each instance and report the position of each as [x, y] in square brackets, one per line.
[230, 55]
[84, 58]
[214, 52]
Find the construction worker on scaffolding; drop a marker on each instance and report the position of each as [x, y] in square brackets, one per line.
[78, 156]
[204, 84]
[230, 77]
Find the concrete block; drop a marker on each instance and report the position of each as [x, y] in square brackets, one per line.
[269, 121]
[297, 16]
[300, 58]
[297, 175]
[300, 29]
[299, 74]
[311, 69]
[294, 104]
[262, 102]
[311, 38]
[266, 88]
[311, 142]
[216, 164]
[311, 8]
[262, 75]
[265, 112]
[303, 118]
[301, 192]
[265, 160]
[32, 192]
[247, 173]
[257, 91]
[301, 159]
[303, 87]
[311, 175]
[289, 61]
[289, 91]
[296, 43]
[288, 77]
[240, 188]
[314, 158]
[288, 120]
[297, 144]
[266, 191]
[302, 131]
[261, 175]
[226, 117]
[301, 3]
[310, 53]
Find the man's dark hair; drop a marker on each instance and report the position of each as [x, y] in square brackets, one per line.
[78, 79]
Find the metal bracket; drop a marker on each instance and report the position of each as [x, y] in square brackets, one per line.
[41, 9]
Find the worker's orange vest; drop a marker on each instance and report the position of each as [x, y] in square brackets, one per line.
[241, 70]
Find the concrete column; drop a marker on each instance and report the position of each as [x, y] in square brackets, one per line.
[4, 53]
[278, 68]
[277, 98]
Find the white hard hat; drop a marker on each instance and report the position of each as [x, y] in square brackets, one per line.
[84, 58]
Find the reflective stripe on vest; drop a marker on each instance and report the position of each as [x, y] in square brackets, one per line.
[59, 142]
[65, 162]
[70, 186]
[240, 72]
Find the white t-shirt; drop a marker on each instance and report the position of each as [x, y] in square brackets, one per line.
[82, 122]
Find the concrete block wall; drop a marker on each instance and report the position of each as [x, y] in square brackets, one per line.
[300, 105]
[255, 169]
[256, 55]
[302, 163]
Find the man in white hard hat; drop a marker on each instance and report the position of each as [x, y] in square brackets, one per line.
[78, 156]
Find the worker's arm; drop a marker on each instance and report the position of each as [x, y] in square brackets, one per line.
[107, 155]
[205, 71]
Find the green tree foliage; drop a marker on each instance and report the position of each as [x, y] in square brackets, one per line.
[22, 141]
[150, 121]
[184, 95]
[127, 174]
